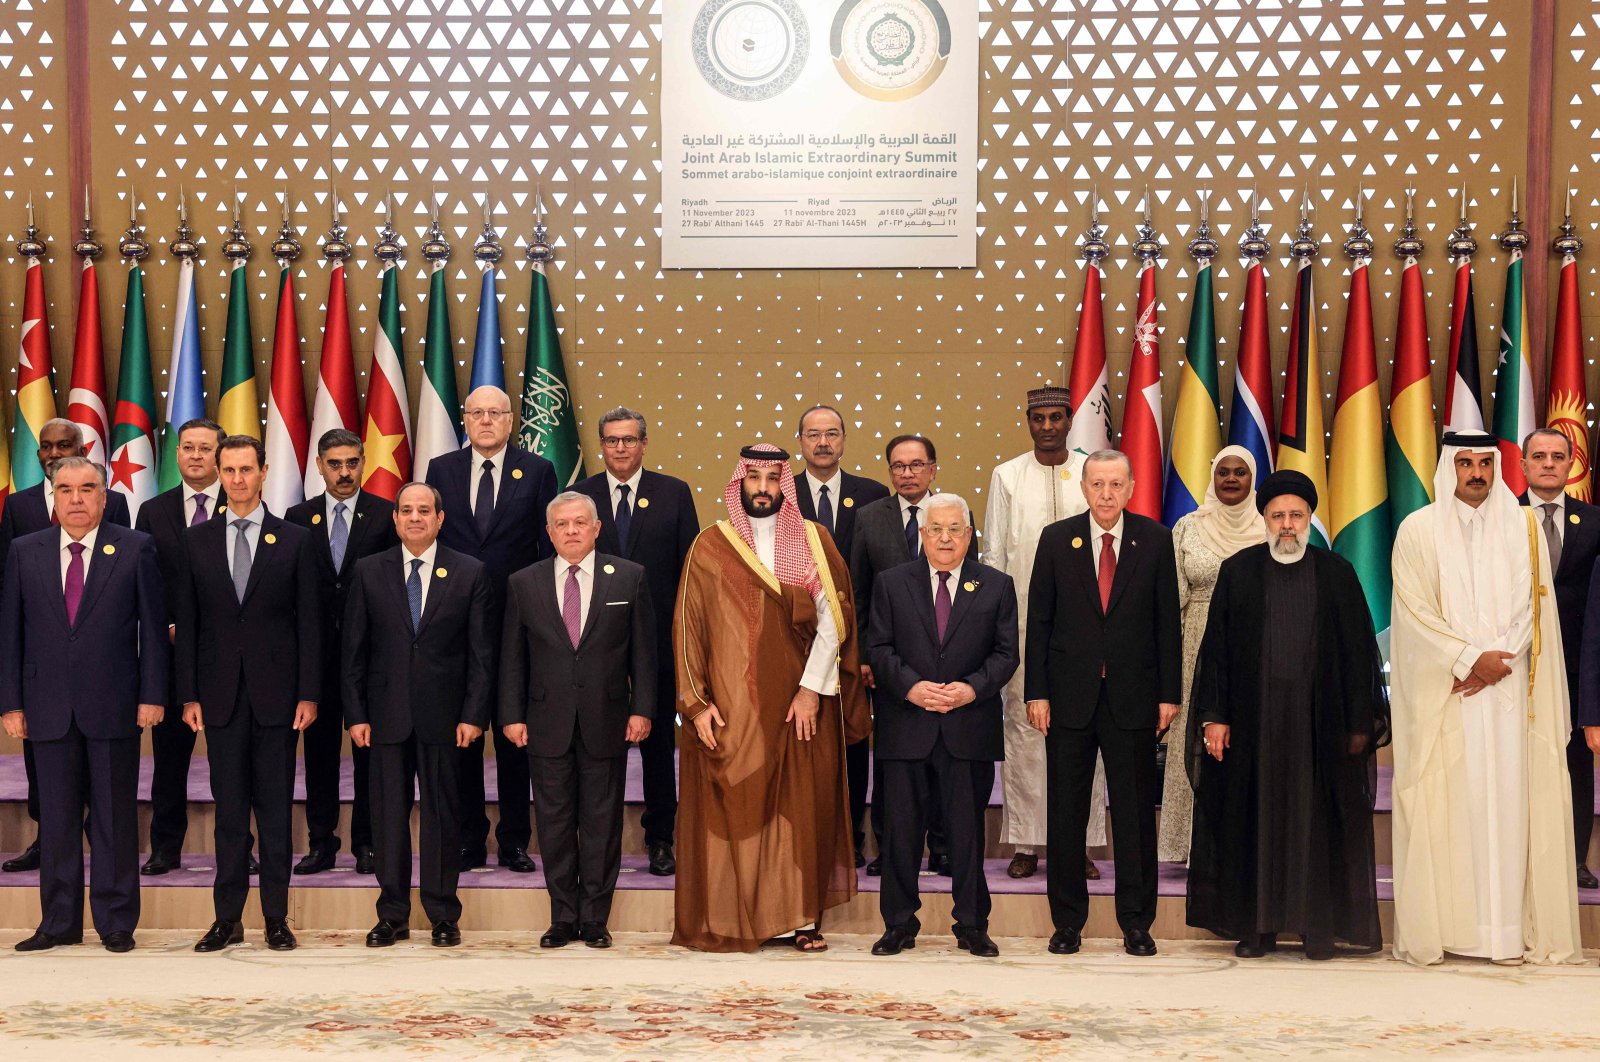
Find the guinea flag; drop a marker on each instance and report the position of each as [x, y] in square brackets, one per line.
[1358, 503]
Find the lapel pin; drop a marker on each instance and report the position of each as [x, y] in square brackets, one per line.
[516, 473]
[1077, 543]
[849, 503]
[360, 515]
[270, 539]
[1573, 518]
[609, 570]
[441, 572]
[316, 518]
[1066, 474]
[969, 586]
[108, 549]
[644, 503]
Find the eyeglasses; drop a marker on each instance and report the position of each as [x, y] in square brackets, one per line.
[944, 532]
[342, 466]
[487, 414]
[621, 442]
[900, 468]
[192, 450]
[815, 435]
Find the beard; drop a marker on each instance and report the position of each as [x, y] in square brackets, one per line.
[750, 510]
[1289, 550]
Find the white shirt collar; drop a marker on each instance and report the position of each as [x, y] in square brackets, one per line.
[1115, 532]
[834, 485]
[427, 557]
[256, 515]
[1559, 501]
[632, 482]
[1467, 513]
[330, 503]
[88, 540]
[921, 504]
[586, 565]
[498, 459]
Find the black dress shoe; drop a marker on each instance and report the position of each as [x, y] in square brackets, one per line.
[366, 862]
[1249, 948]
[861, 860]
[42, 941]
[662, 862]
[279, 938]
[473, 858]
[158, 864]
[385, 933]
[875, 868]
[976, 941]
[939, 863]
[517, 861]
[254, 865]
[896, 939]
[1586, 878]
[1138, 942]
[446, 934]
[221, 935]
[317, 860]
[596, 935]
[28, 860]
[1065, 942]
[118, 941]
[559, 935]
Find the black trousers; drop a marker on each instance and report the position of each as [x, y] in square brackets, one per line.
[322, 748]
[960, 790]
[252, 770]
[856, 759]
[511, 772]
[658, 756]
[434, 770]
[171, 749]
[106, 774]
[577, 802]
[31, 770]
[1130, 759]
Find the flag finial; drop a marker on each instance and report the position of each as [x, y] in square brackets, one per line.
[1462, 244]
[335, 244]
[1358, 245]
[1093, 248]
[390, 247]
[1254, 245]
[31, 245]
[87, 247]
[539, 251]
[488, 249]
[133, 246]
[1304, 246]
[435, 249]
[286, 248]
[236, 248]
[185, 248]
[1409, 246]
[1147, 248]
[1515, 238]
[1569, 243]
[1202, 248]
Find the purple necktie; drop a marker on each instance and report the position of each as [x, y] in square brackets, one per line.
[74, 588]
[200, 514]
[571, 606]
[941, 605]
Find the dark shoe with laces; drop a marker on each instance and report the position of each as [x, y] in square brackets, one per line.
[221, 935]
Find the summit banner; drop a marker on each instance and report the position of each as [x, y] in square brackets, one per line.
[819, 134]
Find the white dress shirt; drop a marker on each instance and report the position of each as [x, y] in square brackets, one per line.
[498, 460]
[821, 675]
[88, 553]
[632, 483]
[585, 586]
[330, 503]
[834, 485]
[252, 532]
[1560, 502]
[954, 584]
[210, 494]
[425, 573]
[1098, 534]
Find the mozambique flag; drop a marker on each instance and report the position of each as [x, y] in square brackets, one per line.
[1513, 383]
[1358, 502]
[549, 421]
[1569, 397]
[387, 434]
[1413, 452]
[238, 410]
[1301, 445]
[1197, 422]
[36, 380]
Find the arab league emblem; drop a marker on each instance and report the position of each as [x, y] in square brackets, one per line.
[644, 503]
[849, 503]
[316, 518]
[441, 572]
[1077, 543]
[108, 549]
[270, 539]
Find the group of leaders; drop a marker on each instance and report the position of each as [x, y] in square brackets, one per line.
[824, 610]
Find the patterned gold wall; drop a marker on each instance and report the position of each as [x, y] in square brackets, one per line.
[489, 100]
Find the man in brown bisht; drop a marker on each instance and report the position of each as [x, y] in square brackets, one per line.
[768, 673]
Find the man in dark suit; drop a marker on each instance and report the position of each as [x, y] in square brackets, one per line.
[1572, 532]
[648, 518]
[166, 518]
[1103, 674]
[346, 524]
[495, 496]
[886, 535]
[249, 663]
[83, 666]
[419, 672]
[578, 683]
[943, 644]
[28, 511]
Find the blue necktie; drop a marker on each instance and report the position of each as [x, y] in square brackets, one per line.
[338, 537]
[913, 540]
[824, 509]
[624, 519]
[414, 593]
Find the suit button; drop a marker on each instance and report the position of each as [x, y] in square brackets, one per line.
[338, 586]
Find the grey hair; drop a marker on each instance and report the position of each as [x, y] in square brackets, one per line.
[948, 501]
[623, 413]
[67, 463]
[567, 497]
[1109, 455]
[63, 422]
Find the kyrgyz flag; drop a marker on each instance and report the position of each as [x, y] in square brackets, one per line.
[1358, 503]
[36, 380]
[286, 409]
[186, 398]
[1463, 393]
[1413, 452]
[1141, 413]
[488, 364]
[1301, 447]
[549, 422]
[336, 404]
[1513, 384]
[387, 435]
[1197, 423]
[133, 428]
[1090, 381]
[1250, 421]
[86, 402]
[1569, 397]
[438, 407]
[238, 411]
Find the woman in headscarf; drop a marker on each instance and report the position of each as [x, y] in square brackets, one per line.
[1225, 523]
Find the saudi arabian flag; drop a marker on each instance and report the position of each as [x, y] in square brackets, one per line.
[238, 411]
[549, 423]
[438, 407]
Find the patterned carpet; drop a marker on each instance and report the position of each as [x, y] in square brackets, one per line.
[499, 997]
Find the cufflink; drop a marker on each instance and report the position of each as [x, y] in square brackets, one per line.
[516, 473]
[316, 518]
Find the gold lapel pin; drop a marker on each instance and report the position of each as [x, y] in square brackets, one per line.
[108, 549]
[969, 586]
[609, 570]
[1573, 518]
[271, 538]
[644, 503]
[1077, 543]
[1066, 474]
[441, 572]
[849, 503]
[316, 518]
[516, 473]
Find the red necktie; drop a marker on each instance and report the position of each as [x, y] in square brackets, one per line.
[1108, 570]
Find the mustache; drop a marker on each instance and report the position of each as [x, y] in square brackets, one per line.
[1476, 482]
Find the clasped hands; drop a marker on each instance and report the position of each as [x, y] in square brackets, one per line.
[1490, 668]
[941, 697]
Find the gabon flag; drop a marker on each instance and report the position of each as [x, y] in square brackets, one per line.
[1569, 398]
[1197, 422]
[1141, 412]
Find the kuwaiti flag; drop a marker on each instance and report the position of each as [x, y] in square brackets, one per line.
[186, 398]
[238, 410]
[287, 429]
[36, 380]
[133, 427]
[1141, 413]
[86, 401]
[438, 407]
[1301, 443]
[336, 404]
[1413, 451]
[1197, 422]
[1358, 502]
[1513, 384]
[1569, 396]
[1463, 390]
[386, 436]
[488, 362]
[1250, 421]
[1090, 381]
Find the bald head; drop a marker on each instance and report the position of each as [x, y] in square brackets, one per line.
[488, 415]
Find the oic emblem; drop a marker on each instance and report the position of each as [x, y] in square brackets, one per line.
[750, 50]
[890, 49]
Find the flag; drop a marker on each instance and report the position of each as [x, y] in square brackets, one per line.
[488, 366]
[386, 436]
[1141, 412]
[86, 401]
[1300, 436]
[1250, 420]
[1358, 493]
[549, 422]
[1413, 453]
[186, 397]
[1090, 382]
[238, 411]
[286, 409]
[133, 429]
[1197, 422]
[1569, 397]
[1513, 384]
[36, 380]
[438, 407]
[336, 404]
[1463, 394]
[5, 457]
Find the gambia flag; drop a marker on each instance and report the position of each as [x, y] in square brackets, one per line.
[1412, 447]
[133, 428]
[1197, 422]
[1250, 420]
[1358, 503]
[1513, 383]
[1569, 397]
[1301, 444]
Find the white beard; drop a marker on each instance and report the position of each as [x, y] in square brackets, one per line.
[1289, 551]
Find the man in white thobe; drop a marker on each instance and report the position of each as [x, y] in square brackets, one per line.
[1483, 851]
[1027, 494]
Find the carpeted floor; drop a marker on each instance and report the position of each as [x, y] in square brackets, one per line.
[499, 997]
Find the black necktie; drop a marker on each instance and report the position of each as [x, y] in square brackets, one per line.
[913, 540]
[624, 518]
[824, 509]
[484, 512]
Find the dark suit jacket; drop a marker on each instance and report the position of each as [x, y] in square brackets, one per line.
[554, 688]
[855, 493]
[163, 519]
[1138, 642]
[1580, 547]
[879, 543]
[425, 681]
[371, 531]
[659, 538]
[97, 671]
[516, 535]
[25, 513]
[273, 639]
[979, 648]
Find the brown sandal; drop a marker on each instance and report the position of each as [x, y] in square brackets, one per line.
[809, 940]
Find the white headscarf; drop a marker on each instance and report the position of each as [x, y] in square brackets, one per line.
[1229, 528]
